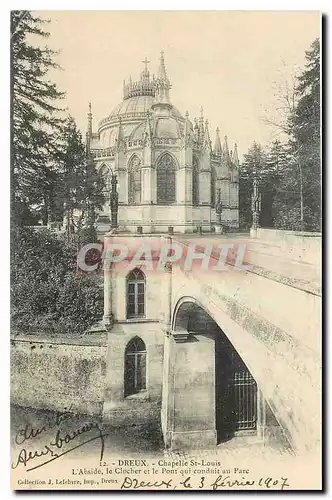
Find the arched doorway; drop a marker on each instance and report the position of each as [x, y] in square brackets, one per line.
[215, 383]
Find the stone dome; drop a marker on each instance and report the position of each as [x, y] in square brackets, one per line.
[162, 127]
[136, 106]
[139, 98]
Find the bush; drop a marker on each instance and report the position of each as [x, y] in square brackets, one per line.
[290, 220]
[47, 294]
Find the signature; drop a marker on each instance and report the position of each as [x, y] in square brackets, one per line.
[281, 483]
[56, 447]
[135, 484]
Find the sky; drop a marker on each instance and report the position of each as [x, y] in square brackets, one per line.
[228, 62]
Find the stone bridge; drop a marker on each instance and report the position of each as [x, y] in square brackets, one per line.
[271, 314]
[266, 316]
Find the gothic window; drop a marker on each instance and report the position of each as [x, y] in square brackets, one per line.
[135, 367]
[134, 180]
[195, 182]
[106, 172]
[213, 187]
[166, 180]
[135, 294]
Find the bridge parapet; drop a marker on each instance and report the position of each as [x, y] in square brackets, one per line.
[276, 330]
[297, 245]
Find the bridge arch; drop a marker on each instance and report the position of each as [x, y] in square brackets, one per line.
[233, 403]
[239, 337]
[279, 350]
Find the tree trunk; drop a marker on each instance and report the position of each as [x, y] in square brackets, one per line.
[301, 195]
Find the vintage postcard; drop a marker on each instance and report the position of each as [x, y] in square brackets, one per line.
[166, 250]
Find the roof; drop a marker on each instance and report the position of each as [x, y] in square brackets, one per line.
[138, 104]
[162, 127]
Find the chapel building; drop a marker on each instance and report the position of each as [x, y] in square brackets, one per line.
[167, 172]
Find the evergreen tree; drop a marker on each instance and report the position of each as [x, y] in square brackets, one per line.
[35, 120]
[81, 187]
[294, 167]
[277, 166]
[254, 164]
[305, 143]
[297, 204]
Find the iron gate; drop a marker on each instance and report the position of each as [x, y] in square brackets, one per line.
[236, 392]
[244, 391]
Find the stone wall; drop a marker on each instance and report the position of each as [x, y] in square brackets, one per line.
[143, 407]
[188, 412]
[58, 374]
[119, 292]
[295, 245]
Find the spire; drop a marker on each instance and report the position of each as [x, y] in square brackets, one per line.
[187, 131]
[235, 156]
[88, 135]
[207, 140]
[225, 148]
[226, 159]
[163, 85]
[196, 129]
[89, 131]
[201, 126]
[120, 142]
[201, 119]
[162, 69]
[217, 145]
[148, 130]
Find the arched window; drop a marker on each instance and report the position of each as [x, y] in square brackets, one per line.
[166, 180]
[135, 294]
[195, 182]
[135, 367]
[213, 187]
[106, 173]
[134, 180]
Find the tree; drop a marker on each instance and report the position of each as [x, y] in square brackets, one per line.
[80, 191]
[35, 119]
[254, 164]
[305, 123]
[49, 173]
[47, 294]
[297, 201]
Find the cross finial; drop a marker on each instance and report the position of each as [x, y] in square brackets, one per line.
[146, 62]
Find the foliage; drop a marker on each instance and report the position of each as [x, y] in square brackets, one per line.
[302, 179]
[47, 294]
[50, 173]
[80, 190]
[51, 176]
[291, 220]
[263, 164]
[290, 173]
[35, 119]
